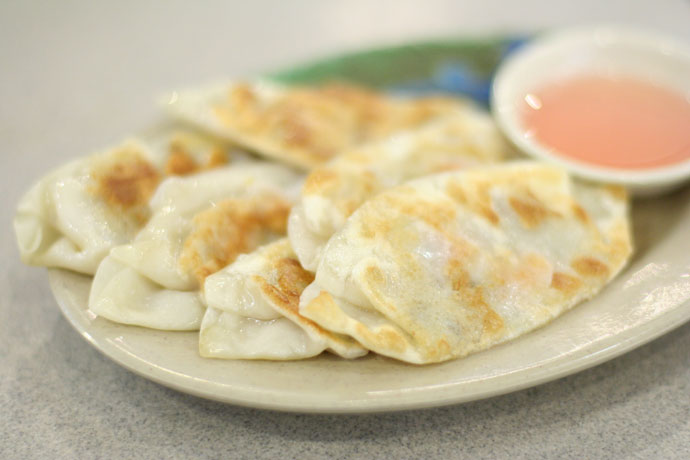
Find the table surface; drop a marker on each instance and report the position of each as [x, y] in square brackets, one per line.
[77, 76]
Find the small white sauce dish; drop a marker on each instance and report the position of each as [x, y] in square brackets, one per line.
[581, 51]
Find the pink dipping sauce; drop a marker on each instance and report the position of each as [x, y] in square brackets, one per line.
[620, 123]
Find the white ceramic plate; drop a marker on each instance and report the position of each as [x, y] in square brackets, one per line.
[651, 297]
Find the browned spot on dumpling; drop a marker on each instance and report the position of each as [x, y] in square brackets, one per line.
[319, 180]
[492, 323]
[456, 192]
[324, 306]
[436, 214]
[286, 299]
[292, 279]
[565, 283]
[217, 158]
[375, 275]
[483, 205]
[242, 96]
[385, 337]
[590, 267]
[373, 115]
[472, 297]
[489, 215]
[126, 181]
[580, 213]
[375, 224]
[530, 273]
[346, 190]
[368, 104]
[457, 274]
[355, 192]
[231, 228]
[479, 201]
[319, 125]
[296, 131]
[181, 162]
[531, 212]
[429, 107]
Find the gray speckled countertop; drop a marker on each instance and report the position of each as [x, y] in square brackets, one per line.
[76, 76]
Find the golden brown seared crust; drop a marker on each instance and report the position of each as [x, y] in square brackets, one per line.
[456, 272]
[590, 267]
[374, 226]
[217, 158]
[385, 337]
[292, 278]
[472, 297]
[284, 296]
[351, 192]
[126, 181]
[581, 214]
[308, 126]
[565, 283]
[436, 214]
[530, 211]
[291, 281]
[370, 108]
[325, 305]
[285, 299]
[231, 228]
[180, 161]
[479, 201]
[320, 179]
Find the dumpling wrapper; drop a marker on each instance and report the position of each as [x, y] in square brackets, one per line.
[253, 311]
[461, 139]
[199, 224]
[454, 263]
[73, 216]
[302, 126]
[120, 293]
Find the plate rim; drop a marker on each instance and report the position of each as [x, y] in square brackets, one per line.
[589, 356]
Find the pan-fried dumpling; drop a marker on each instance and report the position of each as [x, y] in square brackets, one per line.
[454, 263]
[303, 126]
[333, 191]
[77, 213]
[122, 294]
[199, 224]
[253, 311]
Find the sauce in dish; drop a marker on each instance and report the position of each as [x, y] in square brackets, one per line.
[621, 123]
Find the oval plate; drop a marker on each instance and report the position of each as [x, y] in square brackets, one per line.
[651, 297]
